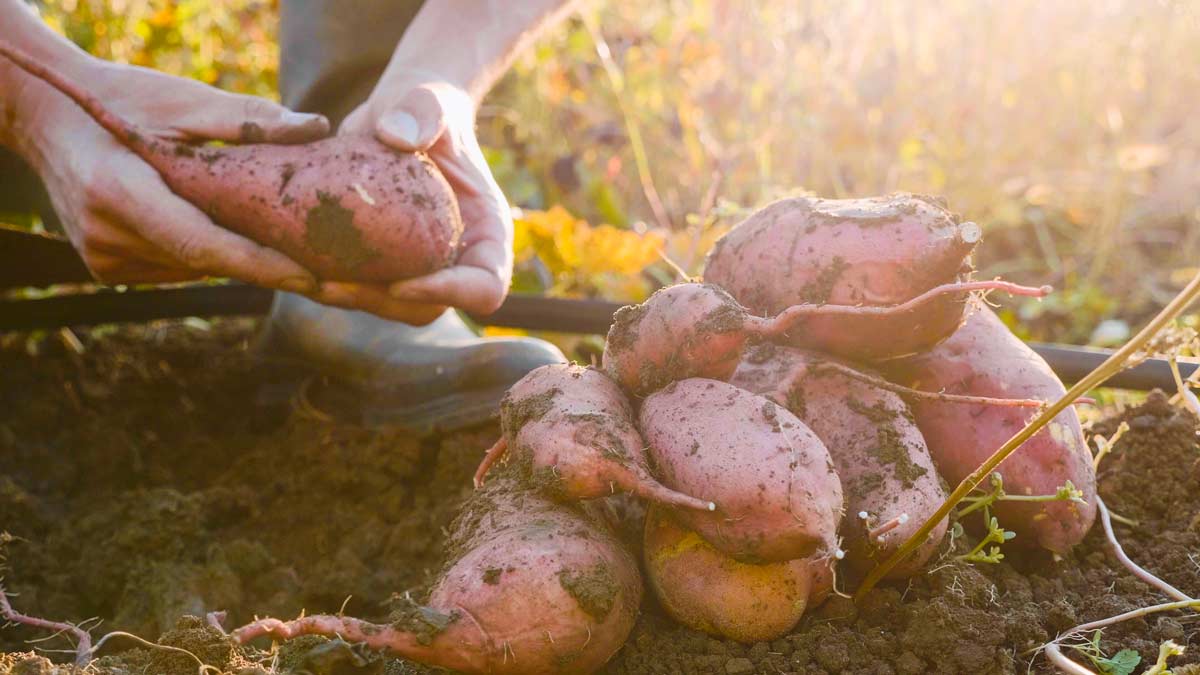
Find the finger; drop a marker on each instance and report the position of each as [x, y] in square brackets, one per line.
[239, 118]
[484, 207]
[414, 122]
[177, 227]
[477, 284]
[113, 269]
[356, 122]
[375, 300]
[103, 235]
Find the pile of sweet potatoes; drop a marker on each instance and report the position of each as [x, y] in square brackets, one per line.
[805, 405]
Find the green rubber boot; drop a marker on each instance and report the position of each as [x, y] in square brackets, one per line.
[357, 367]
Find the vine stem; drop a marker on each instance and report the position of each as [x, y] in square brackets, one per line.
[1111, 366]
[780, 324]
[1053, 649]
[83, 639]
[903, 391]
[1137, 570]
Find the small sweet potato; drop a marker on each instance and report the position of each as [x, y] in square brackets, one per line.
[531, 586]
[879, 251]
[570, 431]
[709, 591]
[880, 455]
[685, 330]
[777, 494]
[348, 208]
[984, 358]
[699, 330]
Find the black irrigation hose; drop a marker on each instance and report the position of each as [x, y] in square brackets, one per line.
[530, 312]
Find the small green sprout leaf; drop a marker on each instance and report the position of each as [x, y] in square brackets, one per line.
[1122, 663]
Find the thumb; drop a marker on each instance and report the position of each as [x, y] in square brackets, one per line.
[414, 122]
[249, 119]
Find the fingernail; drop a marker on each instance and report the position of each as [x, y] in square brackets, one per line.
[401, 126]
[299, 118]
[298, 285]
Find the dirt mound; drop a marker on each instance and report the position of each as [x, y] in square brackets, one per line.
[155, 476]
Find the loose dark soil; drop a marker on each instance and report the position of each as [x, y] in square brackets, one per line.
[157, 476]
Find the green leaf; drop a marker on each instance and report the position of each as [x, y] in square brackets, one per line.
[1121, 663]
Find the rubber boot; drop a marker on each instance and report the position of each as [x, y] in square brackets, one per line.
[352, 365]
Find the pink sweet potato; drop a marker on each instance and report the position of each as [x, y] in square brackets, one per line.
[984, 358]
[348, 208]
[879, 251]
[685, 330]
[777, 494]
[570, 431]
[531, 587]
[699, 330]
[880, 455]
[709, 591]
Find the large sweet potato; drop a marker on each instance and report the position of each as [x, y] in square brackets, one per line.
[531, 586]
[879, 453]
[777, 494]
[707, 590]
[570, 431]
[878, 251]
[984, 358]
[348, 208]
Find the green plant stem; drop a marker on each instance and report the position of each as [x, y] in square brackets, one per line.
[617, 82]
[1110, 367]
[1034, 498]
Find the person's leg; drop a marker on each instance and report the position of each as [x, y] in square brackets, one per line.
[431, 378]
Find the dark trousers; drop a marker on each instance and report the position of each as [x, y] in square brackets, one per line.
[331, 54]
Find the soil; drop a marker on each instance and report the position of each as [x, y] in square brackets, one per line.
[158, 475]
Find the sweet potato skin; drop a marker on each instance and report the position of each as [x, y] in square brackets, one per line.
[706, 590]
[525, 567]
[685, 330]
[348, 208]
[571, 432]
[877, 251]
[777, 494]
[880, 455]
[984, 358]
[530, 586]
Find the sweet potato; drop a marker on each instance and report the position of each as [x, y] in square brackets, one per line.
[880, 455]
[348, 208]
[532, 586]
[709, 591]
[699, 330]
[872, 252]
[985, 358]
[777, 494]
[570, 431]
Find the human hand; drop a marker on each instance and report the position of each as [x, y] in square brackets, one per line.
[417, 110]
[122, 218]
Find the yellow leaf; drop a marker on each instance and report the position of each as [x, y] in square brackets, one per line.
[500, 331]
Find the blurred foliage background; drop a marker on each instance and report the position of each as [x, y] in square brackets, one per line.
[643, 130]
